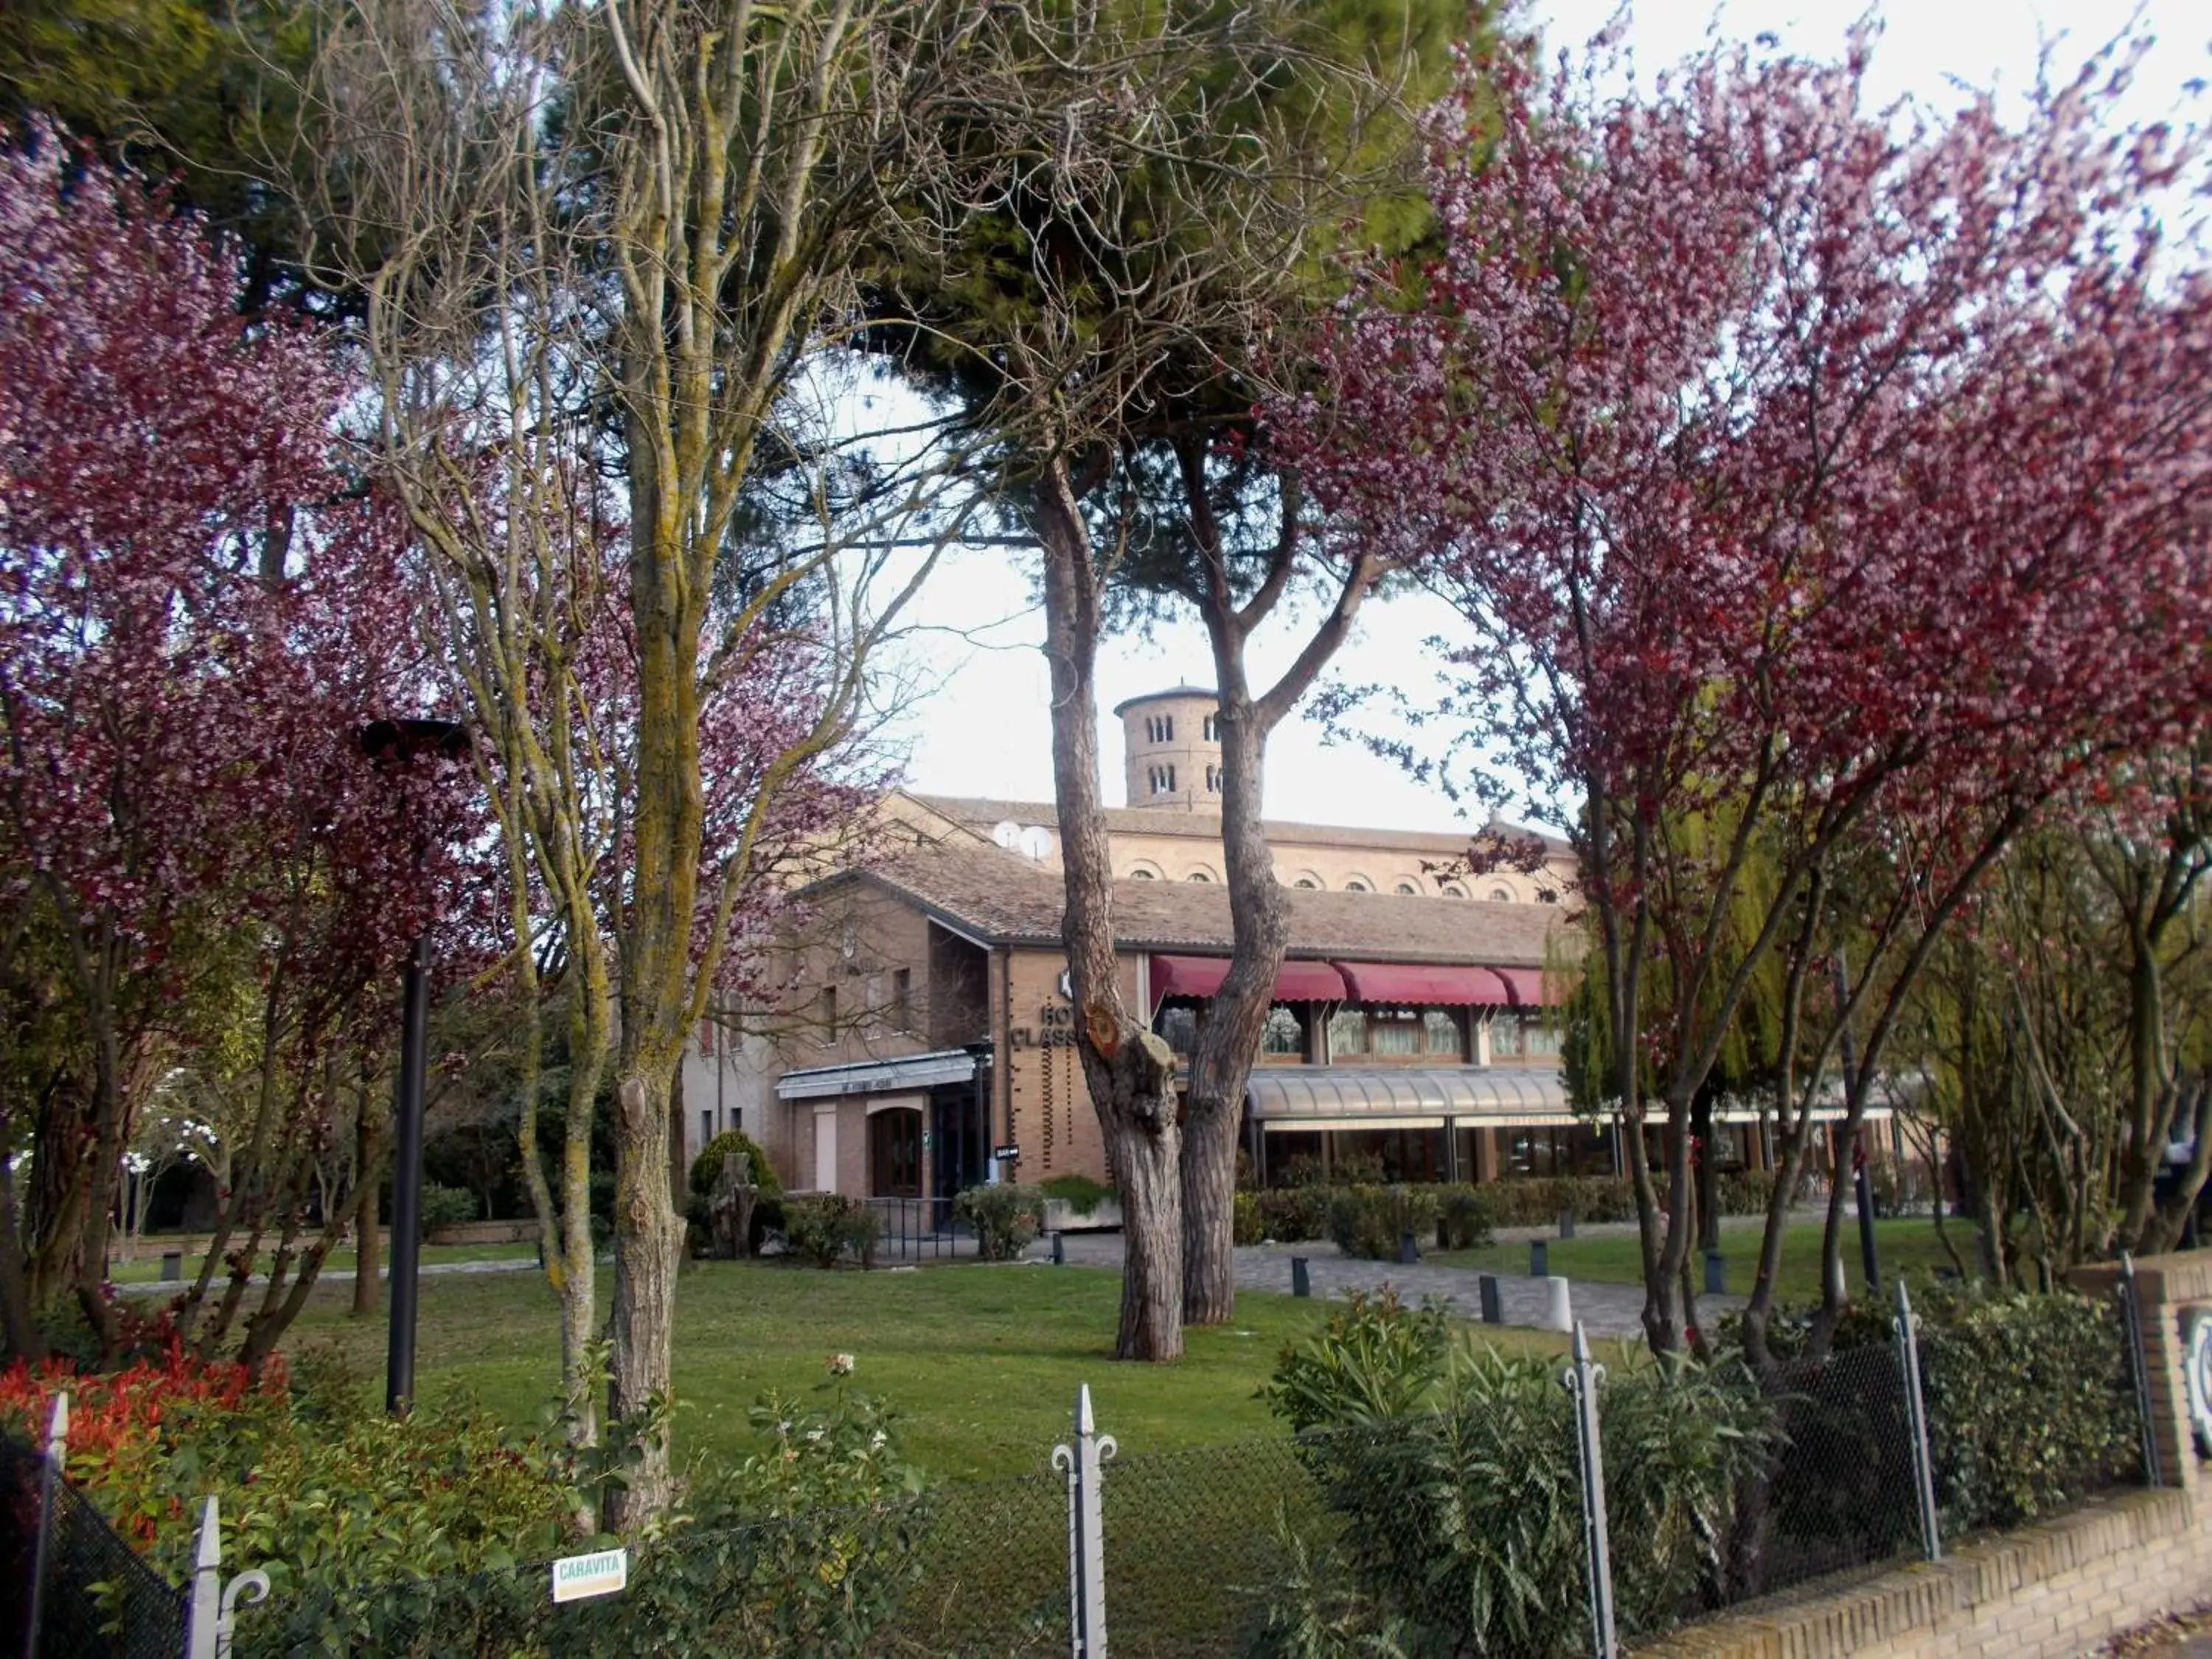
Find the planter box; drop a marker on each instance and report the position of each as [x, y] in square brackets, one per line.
[1062, 1217]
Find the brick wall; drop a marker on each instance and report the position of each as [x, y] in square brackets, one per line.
[2049, 1591]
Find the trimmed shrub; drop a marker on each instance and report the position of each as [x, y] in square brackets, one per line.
[1536, 1200]
[826, 1227]
[1078, 1192]
[707, 1170]
[1244, 1220]
[2030, 1399]
[1463, 1217]
[1368, 1221]
[1746, 1192]
[1294, 1215]
[446, 1206]
[1006, 1217]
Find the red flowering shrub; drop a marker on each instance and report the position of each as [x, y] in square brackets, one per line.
[146, 1441]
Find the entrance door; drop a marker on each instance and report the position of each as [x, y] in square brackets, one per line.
[894, 1153]
[825, 1150]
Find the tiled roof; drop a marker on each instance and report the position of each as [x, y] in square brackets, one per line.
[1003, 898]
[980, 813]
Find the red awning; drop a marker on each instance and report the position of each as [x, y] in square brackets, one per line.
[1408, 984]
[1524, 986]
[1201, 976]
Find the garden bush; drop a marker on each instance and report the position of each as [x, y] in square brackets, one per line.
[803, 1545]
[2030, 1398]
[1078, 1192]
[446, 1206]
[1006, 1217]
[1746, 1192]
[1246, 1225]
[1463, 1218]
[316, 1482]
[1293, 1215]
[1454, 1471]
[1369, 1221]
[824, 1228]
[707, 1170]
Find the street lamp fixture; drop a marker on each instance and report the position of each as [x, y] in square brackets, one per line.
[389, 743]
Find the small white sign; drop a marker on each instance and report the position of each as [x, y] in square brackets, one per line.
[601, 1573]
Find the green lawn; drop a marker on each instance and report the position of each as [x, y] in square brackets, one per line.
[1907, 1245]
[146, 1266]
[981, 1363]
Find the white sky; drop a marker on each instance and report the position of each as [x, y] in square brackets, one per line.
[985, 731]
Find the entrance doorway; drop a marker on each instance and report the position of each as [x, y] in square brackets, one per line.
[894, 1153]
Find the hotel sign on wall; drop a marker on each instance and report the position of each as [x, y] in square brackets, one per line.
[1055, 1029]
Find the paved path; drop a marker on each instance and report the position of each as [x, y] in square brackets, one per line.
[329, 1276]
[1606, 1309]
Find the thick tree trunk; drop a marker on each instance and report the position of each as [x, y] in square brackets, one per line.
[1229, 1037]
[1130, 1070]
[649, 1243]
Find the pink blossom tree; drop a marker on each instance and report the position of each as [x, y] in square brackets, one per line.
[197, 618]
[1797, 468]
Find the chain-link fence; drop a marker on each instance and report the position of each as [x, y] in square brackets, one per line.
[92, 1596]
[1469, 1529]
[977, 1567]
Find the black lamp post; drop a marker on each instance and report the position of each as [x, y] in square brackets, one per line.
[388, 742]
[1869, 1256]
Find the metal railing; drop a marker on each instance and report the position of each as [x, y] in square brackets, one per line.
[920, 1229]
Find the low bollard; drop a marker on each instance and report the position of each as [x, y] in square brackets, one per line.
[1566, 1223]
[173, 1266]
[1715, 1274]
[1540, 1259]
[1058, 1249]
[1558, 1309]
[1408, 1251]
[1301, 1280]
[1494, 1301]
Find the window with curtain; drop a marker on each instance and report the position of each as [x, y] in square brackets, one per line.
[1283, 1033]
[1347, 1032]
[1441, 1036]
[1395, 1031]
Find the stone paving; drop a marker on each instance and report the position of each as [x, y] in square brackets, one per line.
[1606, 1311]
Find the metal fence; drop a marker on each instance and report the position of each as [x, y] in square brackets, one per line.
[85, 1593]
[1404, 1535]
[919, 1229]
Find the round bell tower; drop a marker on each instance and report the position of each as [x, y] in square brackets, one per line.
[1172, 750]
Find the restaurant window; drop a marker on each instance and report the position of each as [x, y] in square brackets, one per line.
[1347, 1032]
[1284, 1033]
[1440, 1034]
[1178, 1024]
[1395, 1031]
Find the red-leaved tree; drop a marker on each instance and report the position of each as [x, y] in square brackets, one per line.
[1798, 468]
[197, 618]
